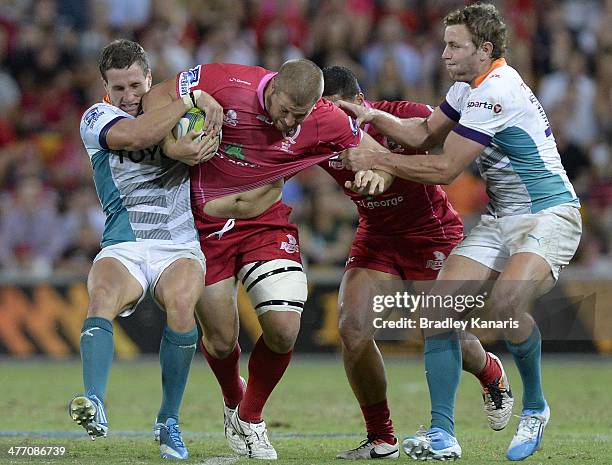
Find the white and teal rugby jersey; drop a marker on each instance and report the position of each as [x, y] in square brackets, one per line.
[520, 163]
[144, 194]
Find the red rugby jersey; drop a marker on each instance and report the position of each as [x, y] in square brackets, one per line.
[253, 152]
[406, 207]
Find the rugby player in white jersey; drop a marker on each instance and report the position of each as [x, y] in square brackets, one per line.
[529, 233]
[149, 242]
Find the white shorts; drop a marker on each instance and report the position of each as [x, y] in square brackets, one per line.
[147, 260]
[553, 234]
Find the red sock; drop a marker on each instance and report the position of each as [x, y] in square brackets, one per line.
[378, 421]
[490, 372]
[266, 368]
[227, 372]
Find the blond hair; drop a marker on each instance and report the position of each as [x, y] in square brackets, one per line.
[484, 23]
[301, 80]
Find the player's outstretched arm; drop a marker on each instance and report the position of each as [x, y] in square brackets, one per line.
[457, 154]
[419, 133]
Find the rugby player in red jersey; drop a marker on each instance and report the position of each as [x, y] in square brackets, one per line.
[275, 124]
[403, 234]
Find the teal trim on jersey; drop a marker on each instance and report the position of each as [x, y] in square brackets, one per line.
[546, 189]
[117, 228]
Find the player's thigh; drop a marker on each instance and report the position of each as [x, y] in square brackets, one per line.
[278, 290]
[217, 312]
[180, 285]
[526, 277]
[553, 234]
[111, 288]
[462, 275]
[359, 289]
[459, 268]
[277, 285]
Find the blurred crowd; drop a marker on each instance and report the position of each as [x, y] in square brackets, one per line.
[50, 219]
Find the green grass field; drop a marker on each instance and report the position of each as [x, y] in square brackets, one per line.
[311, 415]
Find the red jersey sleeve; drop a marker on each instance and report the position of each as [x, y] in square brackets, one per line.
[336, 130]
[403, 109]
[208, 78]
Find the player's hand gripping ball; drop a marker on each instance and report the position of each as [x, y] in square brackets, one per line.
[192, 120]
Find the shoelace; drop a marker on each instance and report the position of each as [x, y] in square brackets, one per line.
[365, 443]
[496, 394]
[529, 426]
[253, 435]
[261, 436]
[175, 434]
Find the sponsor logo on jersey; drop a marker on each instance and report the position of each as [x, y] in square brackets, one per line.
[373, 204]
[437, 262]
[188, 79]
[291, 246]
[230, 118]
[234, 151]
[234, 154]
[139, 156]
[485, 105]
[239, 81]
[497, 108]
[92, 116]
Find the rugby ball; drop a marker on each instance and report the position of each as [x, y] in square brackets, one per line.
[192, 120]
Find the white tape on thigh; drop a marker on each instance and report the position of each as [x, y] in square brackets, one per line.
[278, 285]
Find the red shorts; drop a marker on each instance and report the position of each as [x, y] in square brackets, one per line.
[228, 245]
[414, 258]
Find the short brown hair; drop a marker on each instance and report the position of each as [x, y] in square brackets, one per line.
[301, 80]
[484, 23]
[120, 54]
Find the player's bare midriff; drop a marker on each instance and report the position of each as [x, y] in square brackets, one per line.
[246, 204]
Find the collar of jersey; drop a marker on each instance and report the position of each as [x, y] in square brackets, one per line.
[496, 64]
[106, 99]
[261, 87]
